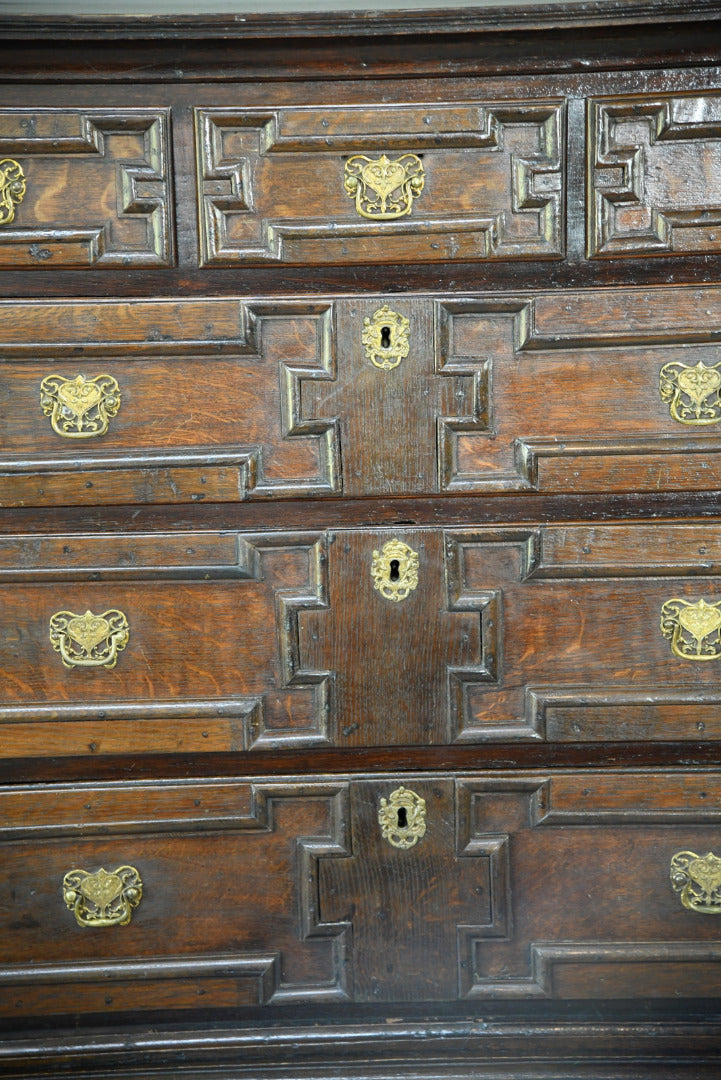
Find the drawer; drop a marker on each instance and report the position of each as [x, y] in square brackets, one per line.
[85, 188]
[219, 895]
[653, 166]
[222, 641]
[371, 183]
[170, 401]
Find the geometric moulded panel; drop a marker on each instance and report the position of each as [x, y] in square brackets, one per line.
[97, 192]
[428, 183]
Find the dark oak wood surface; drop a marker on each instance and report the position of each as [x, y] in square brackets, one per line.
[186, 231]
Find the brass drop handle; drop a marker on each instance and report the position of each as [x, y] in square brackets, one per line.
[12, 189]
[89, 640]
[694, 630]
[384, 189]
[79, 408]
[402, 818]
[698, 880]
[692, 392]
[101, 898]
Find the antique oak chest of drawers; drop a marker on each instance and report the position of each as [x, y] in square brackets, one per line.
[360, 559]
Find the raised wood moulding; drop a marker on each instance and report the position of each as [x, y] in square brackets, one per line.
[274, 183]
[86, 188]
[226, 400]
[510, 633]
[653, 168]
[518, 885]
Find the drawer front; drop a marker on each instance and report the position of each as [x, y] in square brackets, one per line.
[225, 400]
[381, 183]
[164, 401]
[359, 638]
[654, 163]
[177, 642]
[85, 188]
[244, 894]
[221, 401]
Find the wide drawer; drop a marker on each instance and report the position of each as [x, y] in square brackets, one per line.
[225, 641]
[224, 894]
[85, 188]
[173, 401]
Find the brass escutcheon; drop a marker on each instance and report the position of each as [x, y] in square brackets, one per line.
[102, 898]
[395, 570]
[692, 629]
[386, 337]
[12, 189]
[79, 408]
[402, 818]
[384, 189]
[692, 392]
[89, 640]
[698, 879]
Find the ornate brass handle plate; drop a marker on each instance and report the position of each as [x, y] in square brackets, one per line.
[698, 879]
[402, 818]
[89, 640]
[12, 189]
[395, 570]
[102, 898]
[692, 393]
[692, 629]
[79, 408]
[384, 189]
[386, 337]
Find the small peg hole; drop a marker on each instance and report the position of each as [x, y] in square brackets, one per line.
[385, 337]
[402, 817]
[394, 570]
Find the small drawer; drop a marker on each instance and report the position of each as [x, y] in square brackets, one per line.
[395, 183]
[240, 894]
[85, 188]
[654, 163]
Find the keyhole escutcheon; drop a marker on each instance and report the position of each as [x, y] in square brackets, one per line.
[402, 818]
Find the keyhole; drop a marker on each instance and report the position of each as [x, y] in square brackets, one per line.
[385, 337]
[394, 572]
[402, 817]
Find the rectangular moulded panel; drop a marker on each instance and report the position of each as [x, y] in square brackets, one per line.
[653, 175]
[603, 891]
[381, 183]
[209, 905]
[592, 632]
[162, 401]
[158, 643]
[226, 896]
[234, 642]
[85, 188]
[600, 390]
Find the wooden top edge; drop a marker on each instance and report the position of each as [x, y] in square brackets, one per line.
[525, 16]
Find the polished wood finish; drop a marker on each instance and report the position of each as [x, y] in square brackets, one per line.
[232, 870]
[186, 231]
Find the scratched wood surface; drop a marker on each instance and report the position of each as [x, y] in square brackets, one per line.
[236, 399]
[520, 885]
[186, 228]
